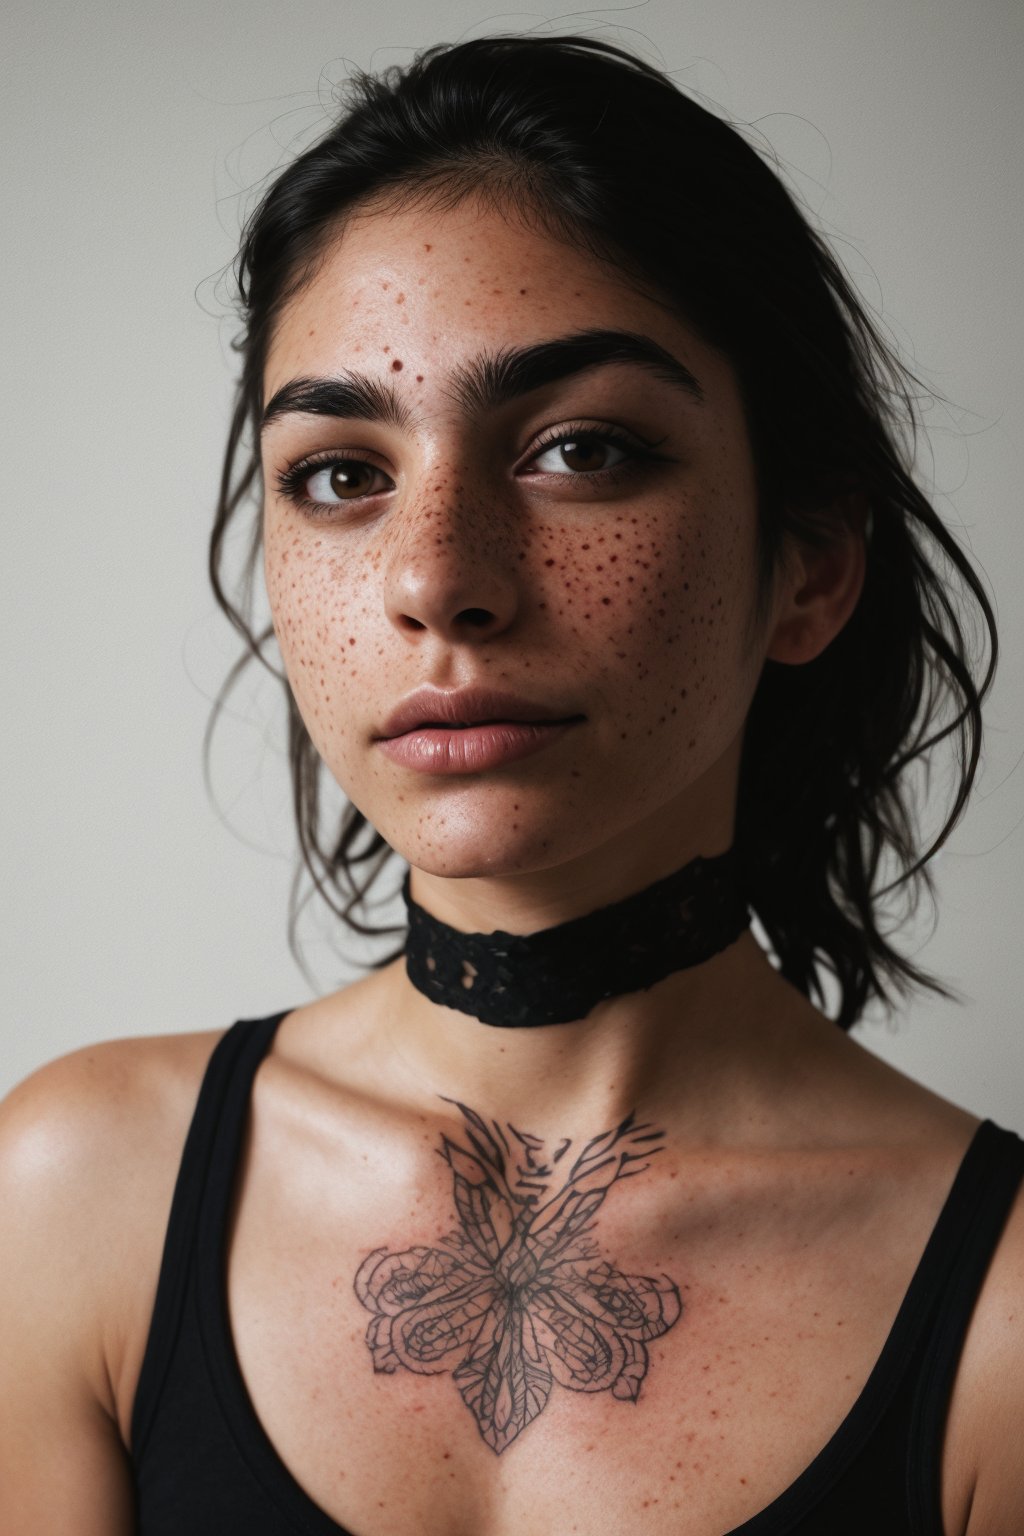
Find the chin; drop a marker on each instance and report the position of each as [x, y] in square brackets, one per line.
[480, 851]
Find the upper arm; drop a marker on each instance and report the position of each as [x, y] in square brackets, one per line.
[988, 1397]
[63, 1466]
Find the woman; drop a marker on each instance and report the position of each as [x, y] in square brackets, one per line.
[600, 583]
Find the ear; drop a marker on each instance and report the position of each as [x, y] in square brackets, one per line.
[820, 588]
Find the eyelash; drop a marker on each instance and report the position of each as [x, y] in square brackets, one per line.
[290, 481]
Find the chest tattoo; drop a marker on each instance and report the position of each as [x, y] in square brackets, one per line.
[517, 1296]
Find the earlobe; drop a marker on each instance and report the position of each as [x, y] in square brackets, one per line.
[821, 589]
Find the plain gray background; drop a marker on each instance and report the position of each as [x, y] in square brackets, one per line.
[136, 137]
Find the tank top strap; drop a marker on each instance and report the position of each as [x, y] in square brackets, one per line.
[963, 1244]
[215, 1128]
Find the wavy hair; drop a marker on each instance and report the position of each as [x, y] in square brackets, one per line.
[588, 142]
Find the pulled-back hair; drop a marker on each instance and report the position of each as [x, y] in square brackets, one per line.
[587, 142]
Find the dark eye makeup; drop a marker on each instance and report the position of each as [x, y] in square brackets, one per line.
[293, 482]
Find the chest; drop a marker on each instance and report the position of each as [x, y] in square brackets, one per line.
[677, 1380]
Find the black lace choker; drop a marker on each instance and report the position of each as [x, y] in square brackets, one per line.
[559, 974]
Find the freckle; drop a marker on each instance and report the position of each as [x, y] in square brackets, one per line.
[428, 247]
[396, 365]
[400, 299]
[419, 378]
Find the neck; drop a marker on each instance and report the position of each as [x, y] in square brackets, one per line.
[697, 1048]
[559, 974]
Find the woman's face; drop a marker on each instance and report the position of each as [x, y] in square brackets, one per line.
[580, 532]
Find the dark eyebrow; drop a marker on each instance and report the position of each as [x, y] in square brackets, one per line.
[489, 381]
[354, 395]
[493, 379]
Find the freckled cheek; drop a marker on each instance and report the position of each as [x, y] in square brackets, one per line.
[315, 618]
[663, 593]
[637, 572]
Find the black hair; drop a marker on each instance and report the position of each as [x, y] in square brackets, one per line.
[590, 143]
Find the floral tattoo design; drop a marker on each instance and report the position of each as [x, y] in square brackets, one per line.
[517, 1297]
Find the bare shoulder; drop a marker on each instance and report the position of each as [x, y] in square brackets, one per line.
[72, 1121]
[106, 1073]
[90, 1145]
[987, 1406]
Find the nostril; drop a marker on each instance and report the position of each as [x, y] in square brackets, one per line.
[478, 617]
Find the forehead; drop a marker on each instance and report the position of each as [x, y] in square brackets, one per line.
[422, 290]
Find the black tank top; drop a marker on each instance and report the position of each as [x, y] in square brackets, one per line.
[203, 1465]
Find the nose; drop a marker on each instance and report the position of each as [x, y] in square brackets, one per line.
[452, 570]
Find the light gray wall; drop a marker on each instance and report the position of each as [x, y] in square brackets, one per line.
[131, 134]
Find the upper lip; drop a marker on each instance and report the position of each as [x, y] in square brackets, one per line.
[465, 706]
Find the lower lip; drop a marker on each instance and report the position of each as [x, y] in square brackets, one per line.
[474, 749]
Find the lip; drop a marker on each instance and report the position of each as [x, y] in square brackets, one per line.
[469, 730]
[453, 707]
[474, 748]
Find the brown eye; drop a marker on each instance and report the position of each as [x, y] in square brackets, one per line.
[582, 453]
[349, 477]
[331, 482]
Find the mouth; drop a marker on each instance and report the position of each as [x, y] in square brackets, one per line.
[465, 709]
[468, 725]
[473, 746]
